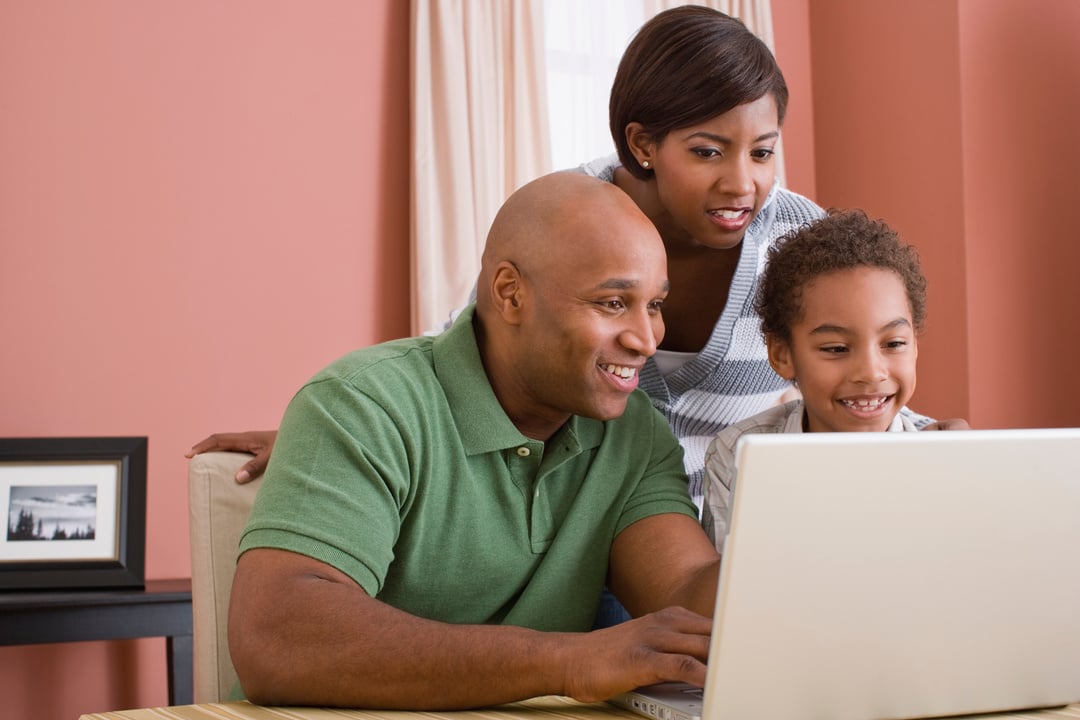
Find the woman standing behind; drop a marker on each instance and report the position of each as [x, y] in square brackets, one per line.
[695, 112]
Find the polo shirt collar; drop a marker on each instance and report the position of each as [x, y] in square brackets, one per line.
[482, 423]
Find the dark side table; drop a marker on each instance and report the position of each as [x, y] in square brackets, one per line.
[163, 609]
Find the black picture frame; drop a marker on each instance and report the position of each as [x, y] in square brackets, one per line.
[102, 547]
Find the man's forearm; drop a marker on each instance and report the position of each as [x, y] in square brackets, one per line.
[427, 665]
[306, 638]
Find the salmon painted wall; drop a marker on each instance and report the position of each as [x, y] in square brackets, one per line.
[201, 204]
[952, 120]
[791, 38]
[1020, 74]
[888, 139]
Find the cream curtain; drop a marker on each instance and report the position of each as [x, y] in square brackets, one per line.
[479, 131]
[756, 14]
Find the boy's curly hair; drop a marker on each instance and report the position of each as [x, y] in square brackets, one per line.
[842, 240]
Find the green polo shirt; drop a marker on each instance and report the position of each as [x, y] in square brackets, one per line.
[397, 466]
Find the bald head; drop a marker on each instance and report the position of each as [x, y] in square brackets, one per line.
[569, 301]
[558, 221]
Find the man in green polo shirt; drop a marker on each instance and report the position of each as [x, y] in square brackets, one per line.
[440, 514]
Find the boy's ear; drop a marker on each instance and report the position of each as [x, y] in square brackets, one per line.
[780, 357]
[507, 288]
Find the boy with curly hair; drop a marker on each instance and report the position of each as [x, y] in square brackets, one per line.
[841, 302]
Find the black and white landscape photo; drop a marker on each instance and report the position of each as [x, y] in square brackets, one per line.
[52, 512]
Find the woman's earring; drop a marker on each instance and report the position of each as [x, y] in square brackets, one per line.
[645, 164]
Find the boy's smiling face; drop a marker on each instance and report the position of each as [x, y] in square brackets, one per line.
[852, 352]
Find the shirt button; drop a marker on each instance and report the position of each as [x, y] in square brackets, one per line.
[523, 452]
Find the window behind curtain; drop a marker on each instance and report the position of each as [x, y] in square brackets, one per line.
[584, 41]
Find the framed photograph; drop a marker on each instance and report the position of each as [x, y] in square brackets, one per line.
[75, 510]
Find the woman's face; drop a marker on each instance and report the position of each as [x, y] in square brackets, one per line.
[713, 178]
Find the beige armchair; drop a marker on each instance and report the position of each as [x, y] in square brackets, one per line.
[218, 508]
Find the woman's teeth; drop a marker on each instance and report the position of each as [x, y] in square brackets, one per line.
[624, 372]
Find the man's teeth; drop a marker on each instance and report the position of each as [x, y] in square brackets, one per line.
[729, 214]
[624, 372]
[865, 404]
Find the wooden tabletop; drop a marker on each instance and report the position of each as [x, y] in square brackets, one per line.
[545, 708]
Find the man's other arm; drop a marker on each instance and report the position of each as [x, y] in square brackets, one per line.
[303, 633]
[664, 561]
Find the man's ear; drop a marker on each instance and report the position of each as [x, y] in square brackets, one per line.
[780, 357]
[507, 288]
[641, 144]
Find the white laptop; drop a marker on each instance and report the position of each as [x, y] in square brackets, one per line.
[894, 575]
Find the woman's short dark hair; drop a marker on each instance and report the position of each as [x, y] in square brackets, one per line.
[842, 240]
[686, 66]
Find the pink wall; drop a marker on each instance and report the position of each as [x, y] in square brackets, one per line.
[888, 139]
[791, 37]
[953, 120]
[1020, 74]
[201, 204]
